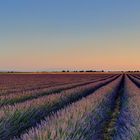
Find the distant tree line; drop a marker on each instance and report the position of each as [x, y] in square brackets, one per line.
[133, 71]
[82, 71]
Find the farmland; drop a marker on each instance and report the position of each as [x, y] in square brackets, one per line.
[70, 106]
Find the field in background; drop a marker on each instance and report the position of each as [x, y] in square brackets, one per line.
[70, 106]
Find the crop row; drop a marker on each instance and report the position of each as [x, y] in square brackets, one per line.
[82, 120]
[14, 119]
[44, 84]
[136, 75]
[128, 124]
[26, 95]
[14, 87]
[12, 83]
[135, 80]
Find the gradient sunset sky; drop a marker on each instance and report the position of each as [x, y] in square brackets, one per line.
[69, 34]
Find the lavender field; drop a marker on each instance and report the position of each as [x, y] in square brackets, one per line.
[70, 106]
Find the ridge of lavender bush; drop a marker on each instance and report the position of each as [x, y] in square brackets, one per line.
[136, 80]
[10, 84]
[128, 124]
[20, 116]
[82, 120]
[25, 95]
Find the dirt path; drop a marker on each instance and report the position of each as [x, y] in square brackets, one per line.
[109, 127]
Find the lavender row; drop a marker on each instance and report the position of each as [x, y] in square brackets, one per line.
[128, 124]
[23, 96]
[4, 89]
[136, 75]
[21, 116]
[82, 120]
[13, 83]
[135, 80]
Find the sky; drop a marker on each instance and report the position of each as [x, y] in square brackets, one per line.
[38, 35]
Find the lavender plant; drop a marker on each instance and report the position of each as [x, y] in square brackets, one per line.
[82, 120]
[128, 124]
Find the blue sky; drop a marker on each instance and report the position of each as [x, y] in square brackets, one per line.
[71, 34]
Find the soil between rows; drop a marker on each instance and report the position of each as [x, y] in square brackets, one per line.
[109, 127]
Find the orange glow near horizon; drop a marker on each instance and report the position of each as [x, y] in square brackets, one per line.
[83, 55]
